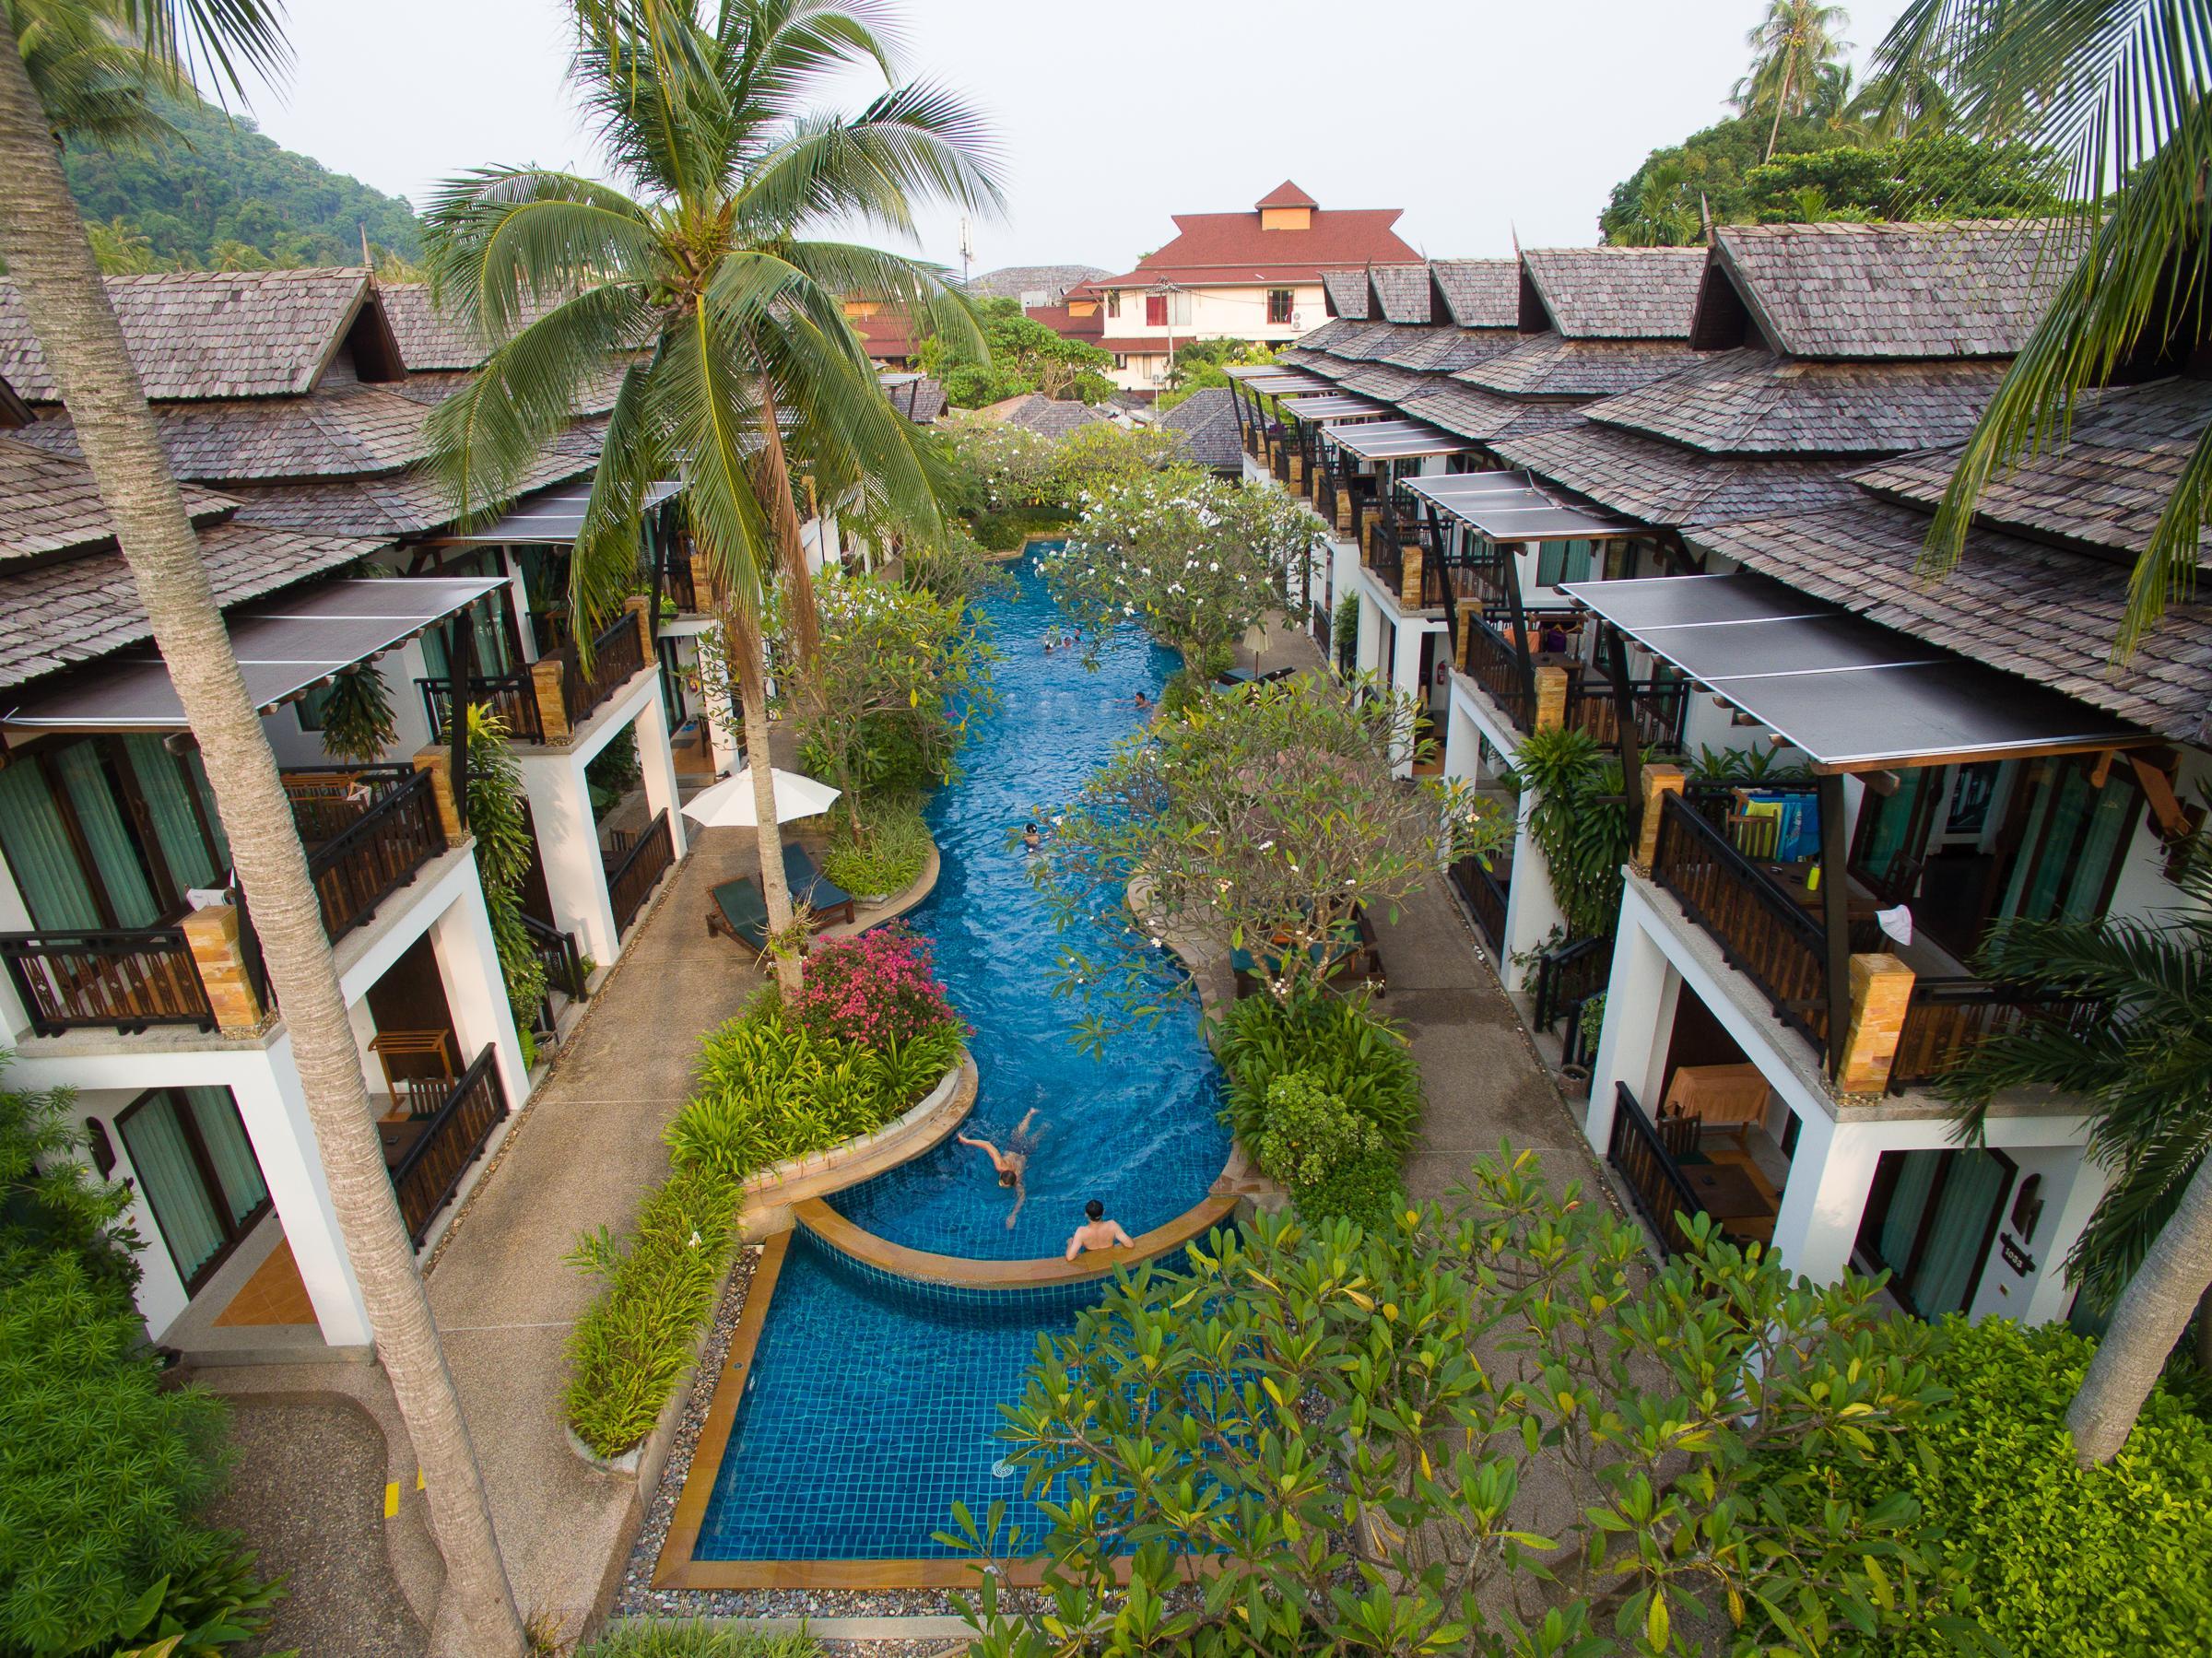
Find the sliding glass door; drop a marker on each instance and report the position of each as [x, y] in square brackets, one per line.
[1929, 1220]
[195, 1166]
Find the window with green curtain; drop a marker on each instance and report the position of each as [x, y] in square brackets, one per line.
[167, 788]
[223, 1134]
[2076, 835]
[1950, 1261]
[196, 769]
[1908, 1203]
[2110, 826]
[39, 856]
[161, 1158]
[1887, 845]
[114, 850]
[1559, 561]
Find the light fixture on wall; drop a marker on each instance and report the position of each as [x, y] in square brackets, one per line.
[2028, 1208]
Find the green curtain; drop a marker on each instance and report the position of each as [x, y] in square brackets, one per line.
[167, 790]
[215, 1113]
[2112, 816]
[1908, 1202]
[1884, 851]
[195, 768]
[161, 1158]
[1559, 561]
[39, 856]
[130, 891]
[1945, 1272]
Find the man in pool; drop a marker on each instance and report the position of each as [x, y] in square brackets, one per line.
[1011, 1161]
[1029, 835]
[1143, 701]
[1096, 1232]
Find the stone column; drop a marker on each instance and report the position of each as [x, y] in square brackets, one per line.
[1659, 781]
[1881, 989]
[1551, 698]
[214, 937]
[640, 607]
[1830, 1173]
[1409, 578]
[439, 763]
[552, 712]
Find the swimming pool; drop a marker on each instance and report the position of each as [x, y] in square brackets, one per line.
[871, 1402]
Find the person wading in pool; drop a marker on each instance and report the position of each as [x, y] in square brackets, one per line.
[1096, 1232]
[1011, 1161]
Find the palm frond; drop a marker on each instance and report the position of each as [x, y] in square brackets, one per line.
[504, 242]
[211, 39]
[704, 399]
[920, 292]
[633, 456]
[780, 50]
[912, 144]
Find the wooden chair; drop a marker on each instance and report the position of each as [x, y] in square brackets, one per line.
[738, 912]
[829, 902]
[1680, 1135]
[425, 1075]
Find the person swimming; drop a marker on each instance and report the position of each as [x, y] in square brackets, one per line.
[1143, 701]
[1011, 1162]
[1096, 1232]
[1030, 836]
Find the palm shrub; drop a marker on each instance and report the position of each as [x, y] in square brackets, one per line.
[499, 818]
[889, 859]
[1580, 823]
[1336, 1045]
[358, 722]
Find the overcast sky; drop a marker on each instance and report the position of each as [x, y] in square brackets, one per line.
[1479, 118]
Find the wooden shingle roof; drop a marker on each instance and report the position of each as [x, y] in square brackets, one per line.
[429, 336]
[1613, 293]
[2045, 613]
[2104, 489]
[1346, 294]
[50, 509]
[206, 333]
[1321, 338]
[1400, 292]
[1381, 381]
[1665, 484]
[1547, 365]
[1477, 293]
[1205, 424]
[1955, 289]
[1483, 416]
[1750, 402]
[1443, 349]
[350, 431]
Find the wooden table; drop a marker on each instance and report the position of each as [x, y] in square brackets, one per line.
[1794, 880]
[1725, 1191]
[1720, 1097]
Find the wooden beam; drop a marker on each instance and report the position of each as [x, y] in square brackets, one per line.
[1967, 756]
[1624, 714]
[2157, 789]
[1835, 904]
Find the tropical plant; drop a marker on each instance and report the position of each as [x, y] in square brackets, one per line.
[1104, 453]
[358, 722]
[1016, 354]
[687, 1637]
[2115, 88]
[499, 816]
[896, 676]
[890, 859]
[1793, 46]
[701, 281]
[1341, 1047]
[1307, 1133]
[1314, 1423]
[2141, 1071]
[1751, 767]
[1265, 819]
[1198, 364]
[953, 568]
[2040, 1554]
[1923, 178]
[1580, 823]
[878, 990]
[57, 281]
[1344, 633]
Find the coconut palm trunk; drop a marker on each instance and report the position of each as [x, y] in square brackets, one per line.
[1781, 100]
[2149, 1319]
[51, 261]
[742, 643]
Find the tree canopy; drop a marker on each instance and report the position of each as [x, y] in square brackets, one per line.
[1024, 356]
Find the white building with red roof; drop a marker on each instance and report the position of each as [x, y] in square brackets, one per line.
[1249, 276]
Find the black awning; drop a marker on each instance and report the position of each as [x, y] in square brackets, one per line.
[1853, 695]
[554, 514]
[1508, 505]
[1324, 407]
[1398, 439]
[284, 645]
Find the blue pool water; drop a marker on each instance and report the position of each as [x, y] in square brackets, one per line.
[1139, 1131]
[873, 1403]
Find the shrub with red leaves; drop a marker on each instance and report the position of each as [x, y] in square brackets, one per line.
[878, 989]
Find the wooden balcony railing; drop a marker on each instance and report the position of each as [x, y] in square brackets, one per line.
[617, 654]
[430, 1170]
[1761, 931]
[676, 580]
[1278, 460]
[126, 978]
[1659, 707]
[632, 872]
[1655, 1183]
[1485, 890]
[513, 697]
[1945, 1017]
[366, 841]
[1494, 663]
[1567, 976]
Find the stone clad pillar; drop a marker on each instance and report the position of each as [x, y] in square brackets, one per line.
[439, 763]
[1881, 989]
[1551, 698]
[1659, 781]
[552, 712]
[1409, 577]
[218, 951]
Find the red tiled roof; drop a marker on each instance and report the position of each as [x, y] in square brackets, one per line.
[1221, 248]
[1064, 323]
[1286, 194]
[885, 334]
[1142, 345]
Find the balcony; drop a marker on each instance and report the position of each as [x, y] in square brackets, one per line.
[1543, 688]
[617, 652]
[634, 868]
[129, 979]
[366, 830]
[546, 701]
[513, 697]
[679, 581]
[1486, 887]
[427, 1155]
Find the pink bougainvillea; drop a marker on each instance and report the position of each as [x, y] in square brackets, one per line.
[877, 989]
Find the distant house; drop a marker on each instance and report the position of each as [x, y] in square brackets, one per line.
[1049, 417]
[1249, 276]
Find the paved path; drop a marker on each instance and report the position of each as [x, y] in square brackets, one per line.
[306, 1489]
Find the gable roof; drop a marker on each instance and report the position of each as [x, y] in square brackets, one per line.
[1549, 365]
[1230, 248]
[1476, 293]
[1286, 194]
[1665, 484]
[1440, 350]
[1012, 281]
[1958, 289]
[50, 509]
[1611, 292]
[1750, 402]
[209, 334]
[429, 336]
[1401, 292]
[1345, 292]
[338, 432]
[1052, 417]
[1205, 424]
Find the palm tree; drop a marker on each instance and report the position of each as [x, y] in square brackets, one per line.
[2143, 1071]
[51, 261]
[1792, 46]
[2116, 87]
[701, 281]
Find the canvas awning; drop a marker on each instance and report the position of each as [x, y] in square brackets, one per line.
[1287, 384]
[1507, 506]
[1332, 406]
[554, 514]
[1853, 695]
[284, 645]
[1398, 439]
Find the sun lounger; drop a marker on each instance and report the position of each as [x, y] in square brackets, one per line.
[829, 902]
[739, 911]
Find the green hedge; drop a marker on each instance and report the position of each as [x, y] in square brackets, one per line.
[2053, 1560]
[892, 857]
[669, 1637]
[1005, 532]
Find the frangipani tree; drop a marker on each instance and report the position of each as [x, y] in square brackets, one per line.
[1263, 818]
[703, 282]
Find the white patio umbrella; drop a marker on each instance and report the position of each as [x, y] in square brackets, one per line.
[729, 804]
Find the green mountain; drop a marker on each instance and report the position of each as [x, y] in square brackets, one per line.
[218, 194]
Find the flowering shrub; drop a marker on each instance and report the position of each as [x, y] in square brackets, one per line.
[878, 990]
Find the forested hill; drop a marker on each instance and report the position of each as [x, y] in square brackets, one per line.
[222, 195]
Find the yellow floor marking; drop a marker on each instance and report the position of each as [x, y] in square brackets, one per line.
[390, 1498]
[419, 1479]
